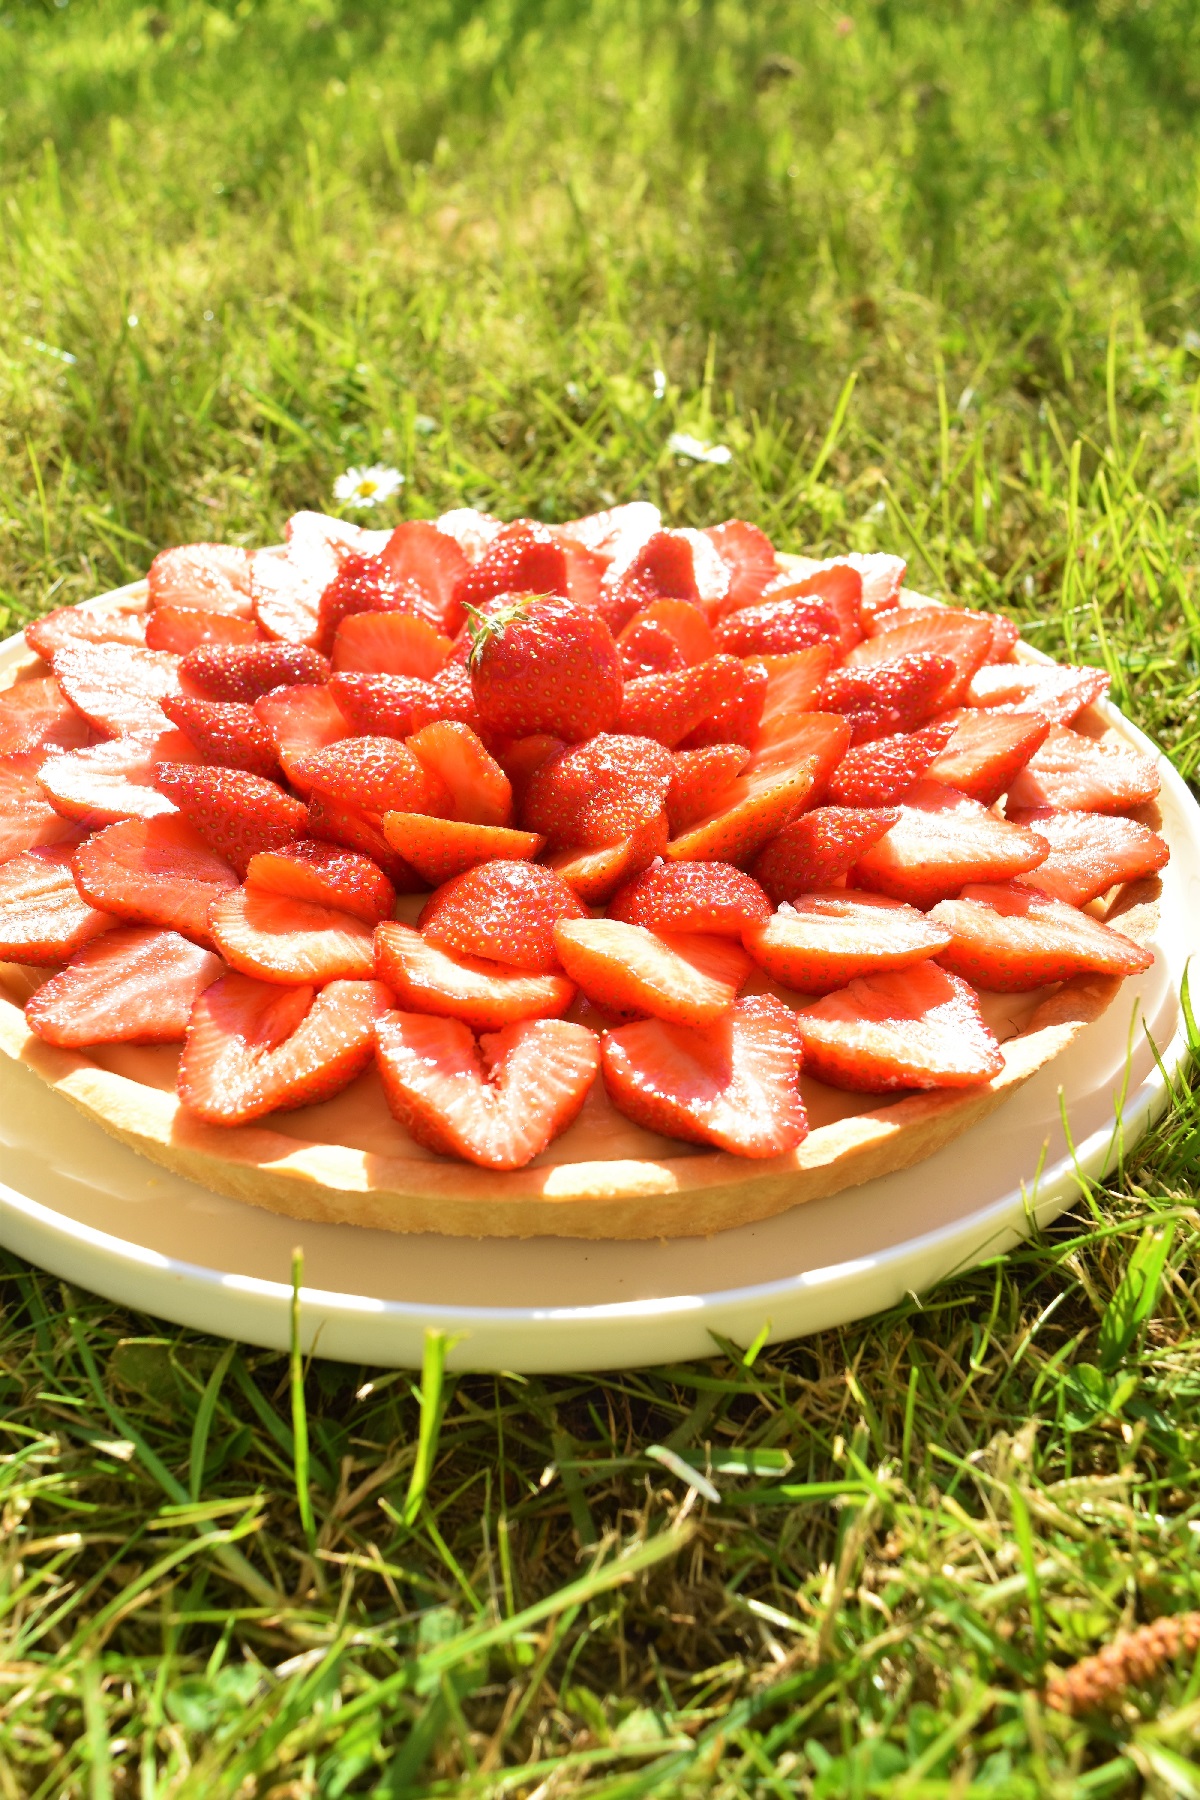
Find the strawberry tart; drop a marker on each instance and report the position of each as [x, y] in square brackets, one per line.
[600, 880]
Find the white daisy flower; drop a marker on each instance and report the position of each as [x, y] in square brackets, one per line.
[362, 488]
[681, 443]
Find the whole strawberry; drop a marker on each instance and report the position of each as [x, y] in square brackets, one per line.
[543, 664]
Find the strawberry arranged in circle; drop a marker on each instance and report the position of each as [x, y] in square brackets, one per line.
[1010, 938]
[482, 992]
[434, 561]
[105, 782]
[506, 910]
[749, 555]
[389, 643]
[330, 823]
[819, 849]
[910, 1028]
[1089, 852]
[236, 813]
[595, 875]
[733, 1085]
[35, 716]
[438, 849]
[692, 896]
[133, 985]
[44, 916]
[181, 629]
[661, 567]
[87, 624]
[542, 664]
[498, 1100]
[245, 672]
[886, 697]
[881, 771]
[819, 942]
[522, 558]
[648, 648]
[117, 687]
[1058, 691]
[595, 794]
[940, 842]
[1074, 773]
[370, 586]
[778, 626]
[157, 871]
[480, 791]
[962, 638]
[736, 719]
[837, 585]
[277, 937]
[691, 977]
[668, 707]
[326, 875]
[987, 751]
[205, 577]
[701, 782]
[226, 732]
[373, 775]
[27, 819]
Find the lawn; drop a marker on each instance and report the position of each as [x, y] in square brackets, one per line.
[931, 271]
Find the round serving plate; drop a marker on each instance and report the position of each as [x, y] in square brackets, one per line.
[85, 1207]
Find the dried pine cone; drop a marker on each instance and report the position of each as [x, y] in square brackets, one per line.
[1131, 1660]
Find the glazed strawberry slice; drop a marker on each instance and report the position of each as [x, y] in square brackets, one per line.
[1089, 852]
[648, 648]
[330, 823]
[749, 555]
[882, 578]
[369, 587]
[987, 752]
[684, 624]
[1010, 939]
[504, 910]
[756, 808]
[585, 573]
[660, 567]
[153, 872]
[594, 875]
[35, 716]
[940, 842]
[819, 849]
[616, 532]
[822, 941]
[838, 585]
[497, 1101]
[27, 820]
[963, 638]
[245, 672]
[480, 792]
[691, 896]
[88, 625]
[1077, 774]
[734, 1084]
[898, 694]
[701, 782]
[226, 732]
[181, 629]
[594, 795]
[286, 588]
[117, 687]
[522, 558]
[278, 938]
[1058, 691]
[302, 718]
[254, 1047]
[438, 849]
[102, 783]
[133, 985]
[373, 775]
[738, 719]
[389, 643]
[793, 683]
[480, 992]
[206, 577]
[668, 707]
[689, 977]
[777, 627]
[881, 771]
[324, 875]
[911, 1028]
[423, 553]
[43, 916]
[1003, 638]
[395, 705]
[235, 813]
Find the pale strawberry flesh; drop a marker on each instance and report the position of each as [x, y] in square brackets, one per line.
[326, 875]
[691, 978]
[44, 918]
[34, 715]
[1009, 939]
[27, 820]
[914, 1028]
[132, 985]
[154, 872]
[117, 687]
[484, 994]
[1074, 773]
[276, 937]
[1090, 853]
[940, 842]
[822, 941]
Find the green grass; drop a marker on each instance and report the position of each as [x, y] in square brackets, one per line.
[277, 239]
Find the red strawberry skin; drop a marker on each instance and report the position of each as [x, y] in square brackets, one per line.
[245, 672]
[736, 720]
[505, 910]
[373, 775]
[881, 771]
[692, 896]
[132, 985]
[819, 849]
[326, 875]
[750, 557]
[366, 584]
[598, 793]
[887, 697]
[226, 732]
[522, 558]
[235, 813]
[701, 782]
[668, 707]
[775, 627]
[733, 1085]
[546, 665]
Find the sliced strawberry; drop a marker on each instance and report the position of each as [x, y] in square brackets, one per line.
[117, 687]
[389, 643]
[882, 579]
[254, 1047]
[330, 823]
[895, 695]
[660, 567]
[963, 638]
[438, 849]
[709, 897]
[595, 794]
[505, 911]
[419, 551]
[278, 938]
[1089, 852]
[301, 719]
[1009, 938]
[34, 715]
[683, 622]
[180, 629]
[324, 875]
[481, 993]
[480, 792]
[1076, 774]
[133, 985]
[793, 683]
[776, 627]
[822, 941]
[1004, 634]
[373, 775]
[819, 849]
[497, 1101]
[208, 577]
[756, 808]
[366, 587]
[87, 625]
[619, 530]
[286, 588]
[648, 648]
[390, 705]
[521, 758]
[987, 751]
[668, 707]
[1057, 690]
[44, 918]
[912, 1028]
[881, 771]
[585, 572]
[737, 720]
[593, 875]
[701, 782]
[471, 530]
[749, 556]
[153, 872]
[734, 1084]
[713, 574]
[838, 585]
[245, 672]
[522, 558]
[27, 820]
[105, 782]
[689, 977]
[940, 842]
[225, 732]
[235, 813]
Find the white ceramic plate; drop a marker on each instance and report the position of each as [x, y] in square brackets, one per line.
[81, 1205]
